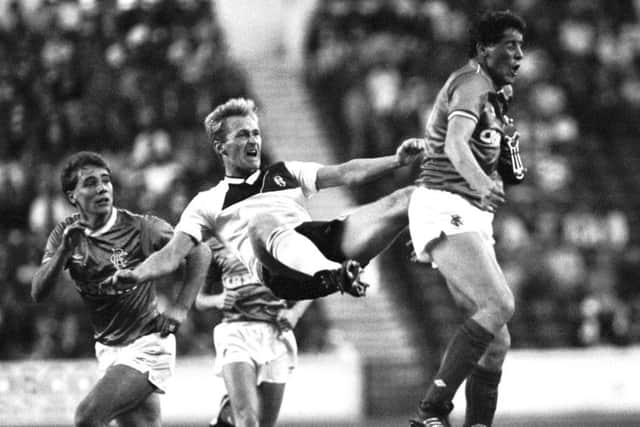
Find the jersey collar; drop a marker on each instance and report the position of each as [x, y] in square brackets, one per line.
[107, 225]
[479, 70]
[251, 179]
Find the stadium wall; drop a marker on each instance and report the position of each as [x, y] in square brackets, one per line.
[331, 387]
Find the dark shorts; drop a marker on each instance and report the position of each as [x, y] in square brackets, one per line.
[326, 235]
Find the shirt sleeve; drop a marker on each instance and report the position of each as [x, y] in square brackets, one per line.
[468, 94]
[55, 239]
[160, 232]
[199, 217]
[307, 174]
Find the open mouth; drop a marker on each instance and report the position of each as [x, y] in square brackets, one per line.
[252, 152]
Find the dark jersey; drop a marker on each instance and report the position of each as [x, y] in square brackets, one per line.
[117, 316]
[468, 92]
[253, 301]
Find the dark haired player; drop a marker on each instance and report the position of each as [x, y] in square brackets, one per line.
[135, 343]
[472, 149]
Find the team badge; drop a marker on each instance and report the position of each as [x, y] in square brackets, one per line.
[456, 220]
[118, 258]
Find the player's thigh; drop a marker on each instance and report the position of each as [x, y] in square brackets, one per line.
[468, 263]
[371, 228]
[271, 395]
[120, 389]
[147, 413]
[240, 379]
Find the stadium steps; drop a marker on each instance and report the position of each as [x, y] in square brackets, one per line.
[378, 326]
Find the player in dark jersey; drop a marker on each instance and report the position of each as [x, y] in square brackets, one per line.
[472, 148]
[255, 346]
[135, 343]
[261, 214]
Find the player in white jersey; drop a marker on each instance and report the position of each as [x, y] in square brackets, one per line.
[261, 215]
[255, 346]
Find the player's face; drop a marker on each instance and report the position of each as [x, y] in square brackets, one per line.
[503, 58]
[242, 148]
[93, 195]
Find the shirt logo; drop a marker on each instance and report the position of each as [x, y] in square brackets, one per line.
[456, 220]
[280, 182]
[117, 258]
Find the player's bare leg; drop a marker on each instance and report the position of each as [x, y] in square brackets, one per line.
[121, 390]
[295, 267]
[271, 395]
[468, 263]
[147, 413]
[373, 227]
[272, 239]
[240, 381]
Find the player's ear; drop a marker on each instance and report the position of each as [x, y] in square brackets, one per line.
[71, 197]
[220, 148]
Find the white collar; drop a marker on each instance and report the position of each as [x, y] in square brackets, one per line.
[107, 225]
[251, 179]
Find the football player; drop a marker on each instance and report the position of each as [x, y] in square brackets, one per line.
[256, 349]
[135, 343]
[261, 214]
[472, 149]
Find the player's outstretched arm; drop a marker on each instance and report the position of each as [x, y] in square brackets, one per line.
[360, 171]
[159, 263]
[197, 266]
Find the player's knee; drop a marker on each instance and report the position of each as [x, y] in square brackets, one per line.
[504, 308]
[499, 306]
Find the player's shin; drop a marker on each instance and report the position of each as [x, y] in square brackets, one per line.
[465, 349]
[481, 394]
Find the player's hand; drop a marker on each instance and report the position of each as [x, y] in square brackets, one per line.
[229, 299]
[125, 277]
[72, 235]
[492, 198]
[287, 319]
[171, 319]
[411, 150]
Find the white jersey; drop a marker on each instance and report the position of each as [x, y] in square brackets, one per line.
[224, 211]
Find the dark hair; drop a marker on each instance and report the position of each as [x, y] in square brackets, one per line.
[75, 162]
[214, 124]
[490, 27]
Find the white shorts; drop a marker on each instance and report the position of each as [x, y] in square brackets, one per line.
[271, 351]
[433, 213]
[150, 353]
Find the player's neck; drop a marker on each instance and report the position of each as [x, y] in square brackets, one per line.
[98, 220]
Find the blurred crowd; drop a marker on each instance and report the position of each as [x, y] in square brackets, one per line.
[130, 79]
[134, 78]
[568, 237]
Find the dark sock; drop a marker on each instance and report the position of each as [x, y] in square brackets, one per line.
[301, 286]
[482, 396]
[463, 352]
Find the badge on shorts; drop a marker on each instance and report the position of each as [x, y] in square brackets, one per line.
[456, 220]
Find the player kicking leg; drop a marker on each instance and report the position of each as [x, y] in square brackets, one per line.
[295, 255]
